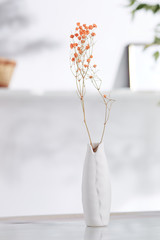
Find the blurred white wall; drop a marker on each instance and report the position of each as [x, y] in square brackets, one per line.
[48, 68]
[43, 146]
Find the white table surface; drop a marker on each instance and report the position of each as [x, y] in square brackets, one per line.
[126, 226]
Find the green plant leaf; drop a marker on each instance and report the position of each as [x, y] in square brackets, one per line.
[141, 6]
[157, 40]
[147, 7]
[148, 45]
[155, 8]
[132, 2]
[156, 55]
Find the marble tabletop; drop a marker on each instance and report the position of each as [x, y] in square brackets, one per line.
[126, 226]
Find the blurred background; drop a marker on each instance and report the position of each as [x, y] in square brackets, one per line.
[42, 137]
[36, 35]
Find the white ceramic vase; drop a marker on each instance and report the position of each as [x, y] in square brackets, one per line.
[96, 187]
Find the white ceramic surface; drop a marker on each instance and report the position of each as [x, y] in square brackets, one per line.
[96, 187]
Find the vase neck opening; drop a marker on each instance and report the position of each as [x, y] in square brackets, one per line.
[95, 147]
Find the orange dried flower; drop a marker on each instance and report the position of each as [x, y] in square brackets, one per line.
[81, 32]
[87, 32]
[94, 65]
[80, 27]
[84, 25]
[93, 34]
[79, 60]
[71, 45]
[76, 55]
[87, 47]
[88, 60]
[84, 36]
[104, 96]
[75, 44]
[77, 28]
[76, 34]
[78, 48]
[73, 59]
[71, 36]
[78, 24]
[94, 25]
[91, 56]
[90, 27]
[79, 38]
[80, 51]
[85, 65]
[83, 41]
[90, 76]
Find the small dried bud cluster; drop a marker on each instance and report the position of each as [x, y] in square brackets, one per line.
[81, 46]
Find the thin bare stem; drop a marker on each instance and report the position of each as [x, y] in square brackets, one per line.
[84, 115]
[106, 101]
[106, 118]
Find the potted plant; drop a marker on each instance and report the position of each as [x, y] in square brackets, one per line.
[6, 71]
[96, 188]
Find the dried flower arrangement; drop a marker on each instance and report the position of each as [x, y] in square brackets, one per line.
[83, 69]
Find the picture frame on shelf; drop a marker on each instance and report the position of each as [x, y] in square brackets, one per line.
[144, 70]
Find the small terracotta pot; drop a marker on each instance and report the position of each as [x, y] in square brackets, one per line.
[6, 71]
